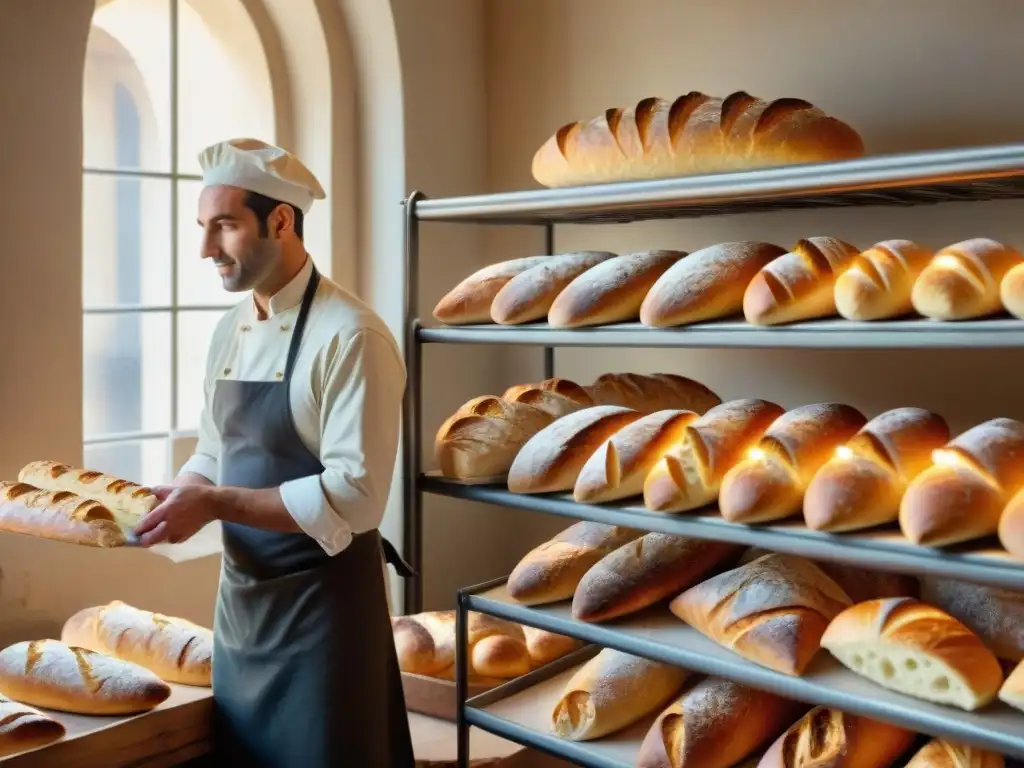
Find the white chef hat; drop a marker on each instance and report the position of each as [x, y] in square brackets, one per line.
[262, 168]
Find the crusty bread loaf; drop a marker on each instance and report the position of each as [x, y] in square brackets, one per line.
[612, 291]
[550, 572]
[470, 300]
[619, 466]
[769, 483]
[129, 502]
[644, 571]
[425, 644]
[995, 614]
[772, 611]
[862, 584]
[528, 296]
[862, 484]
[799, 285]
[1011, 526]
[939, 753]
[715, 724]
[611, 691]
[174, 649]
[963, 280]
[656, 392]
[706, 285]
[1012, 691]
[59, 515]
[690, 473]
[963, 493]
[1011, 291]
[545, 647]
[916, 649]
[49, 674]
[555, 396]
[693, 134]
[878, 283]
[828, 737]
[23, 727]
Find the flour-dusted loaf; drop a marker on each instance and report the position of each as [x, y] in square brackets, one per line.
[612, 291]
[23, 727]
[648, 569]
[1012, 692]
[995, 614]
[1011, 526]
[650, 393]
[1011, 291]
[916, 649]
[963, 280]
[611, 691]
[770, 481]
[128, 501]
[771, 611]
[862, 584]
[176, 650]
[939, 753]
[706, 285]
[59, 515]
[690, 473]
[878, 283]
[470, 301]
[963, 493]
[799, 285]
[695, 133]
[425, 644]
[555, 396]
[551, 572]
[862, 485]
[50, 674]
[529, 295]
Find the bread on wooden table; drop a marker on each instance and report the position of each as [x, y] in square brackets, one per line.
[693, 134]
[470, 300]
[862, 584]
[690, 473]
[770, 481]
[799, 285]
[939, 753]
[915, 649]
[1011, 291]
[706, 285]
[644, 571]
[1012, 691]
[862, 484]
[1011, 526]
[23, 727]
[551, 572]
[612, 691]
[545, 647]
[555, 396]
[650, 393]
[771, 611]
[963, 280]
[425, 644]
[58, 515]
[612, 291]
[529, 295]
[995, 614]
[963, 493]
[878, 283]
[715, 724]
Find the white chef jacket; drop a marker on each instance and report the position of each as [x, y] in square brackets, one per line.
[346, 398]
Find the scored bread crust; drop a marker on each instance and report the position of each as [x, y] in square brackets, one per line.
[23, 727]
[939, 753]
[470, 300]
[555, 396]
[529, 295]
[995, 614]
[650, 393]
[58, 515]
[963, 280]
[878, 282]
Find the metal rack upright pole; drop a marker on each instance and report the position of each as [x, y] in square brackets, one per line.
[461, 680]
[549, 249]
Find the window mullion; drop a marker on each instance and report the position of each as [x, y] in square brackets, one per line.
[174, 222]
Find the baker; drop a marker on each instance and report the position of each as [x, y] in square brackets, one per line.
[297, 445]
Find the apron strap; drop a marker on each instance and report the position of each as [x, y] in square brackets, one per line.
[300, 324]
[391, 557]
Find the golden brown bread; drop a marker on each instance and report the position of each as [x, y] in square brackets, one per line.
[799, 285]
[470, 300]
[996, 615]
[555, 396]
[963, 280]
[1011, 526]
[878, 282]
[22, 728]
[771, 611]
[916, 649]
[545, 647]
[693, 134]
[425, 644]
[939, 753]
[690, 473]
[59, 515]
[650, 393]
[862, 484]
[528, 296]
[1011, 291]
[612, 291]
[644, 571]
[1012, 692]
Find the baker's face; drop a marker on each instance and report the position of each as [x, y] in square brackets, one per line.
[231, 239]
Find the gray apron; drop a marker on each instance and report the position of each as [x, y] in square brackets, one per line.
[305, 673]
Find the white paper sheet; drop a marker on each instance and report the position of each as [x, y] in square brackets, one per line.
[205, 543]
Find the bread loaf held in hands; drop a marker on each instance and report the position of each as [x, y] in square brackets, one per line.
[470, 300]
[878, 283]
[529, 295]
[129, 502]
[58, 515]
[963, 280]
[939, 753]
[23, 727]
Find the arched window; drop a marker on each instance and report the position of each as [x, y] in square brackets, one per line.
[163, 78]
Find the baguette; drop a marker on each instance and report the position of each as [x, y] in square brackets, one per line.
[828, 737]
[715, 724]
[23, 728]
[619, 466]
[176, 650]
[706, 285]
[995, 614]
[612, 691]
[551, 572]
[643, 572]
[657, 392]
[557, 397]
[861, 486]
[528, 296]
[963, 280]
[52, 675]
[1011, 291]
[129, 502]
[470, 301]
[425, 645]
[1011, 526]
[769, 483]
[690, 473]
[545, 647]
[878, 283]
[1012, 691]
[963, 493]
[915, 649]
[799, 285]
[612, 291]
[772, 611]
[939, 753]
[59, 515]
[693, 134]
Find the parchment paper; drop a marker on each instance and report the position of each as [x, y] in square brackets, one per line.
[205, 543]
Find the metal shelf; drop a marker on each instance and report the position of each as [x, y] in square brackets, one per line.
[885, 550]
[915, 178]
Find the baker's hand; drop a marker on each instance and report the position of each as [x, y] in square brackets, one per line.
[181, 513]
